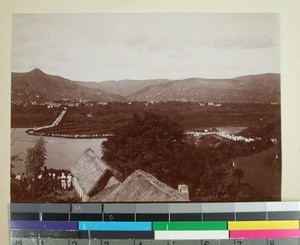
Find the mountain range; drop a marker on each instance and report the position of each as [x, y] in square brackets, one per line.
[123, 87]
[39, 86]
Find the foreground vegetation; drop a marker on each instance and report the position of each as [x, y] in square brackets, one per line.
[159, 146]
[46, 189]
[150, 136]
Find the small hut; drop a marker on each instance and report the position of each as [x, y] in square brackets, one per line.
[140, 187]
[91, 175]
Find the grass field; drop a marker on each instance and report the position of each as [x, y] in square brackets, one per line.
[103, 119]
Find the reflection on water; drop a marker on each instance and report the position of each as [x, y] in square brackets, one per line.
[231, 130]
[61, 153]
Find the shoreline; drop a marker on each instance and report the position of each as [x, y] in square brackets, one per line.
[69, 136]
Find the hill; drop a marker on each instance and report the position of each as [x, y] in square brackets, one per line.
[122, 87]
[264, 88]
[37, 86]
[40, 87]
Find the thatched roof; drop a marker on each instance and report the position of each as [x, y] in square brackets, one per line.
[89, 170]
[140, 187]
[104, 193]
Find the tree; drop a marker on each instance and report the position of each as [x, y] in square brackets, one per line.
[35, 159]
[149, 142]
[159, 146]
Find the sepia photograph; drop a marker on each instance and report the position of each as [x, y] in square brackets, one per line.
[152, 107]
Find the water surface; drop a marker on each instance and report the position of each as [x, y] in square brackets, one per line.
[61, 152]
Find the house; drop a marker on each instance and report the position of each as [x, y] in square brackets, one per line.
[91, 175]
[140, 187]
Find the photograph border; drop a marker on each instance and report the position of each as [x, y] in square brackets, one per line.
[290, 72]
[231, 80]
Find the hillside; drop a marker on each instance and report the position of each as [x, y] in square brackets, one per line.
[37, 86]
[122, 87]
[40, 87]
[248, 89]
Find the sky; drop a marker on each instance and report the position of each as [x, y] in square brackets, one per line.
[99, 47]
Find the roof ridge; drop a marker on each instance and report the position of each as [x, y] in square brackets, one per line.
[96, 156]
[95, 167]
[162, 183]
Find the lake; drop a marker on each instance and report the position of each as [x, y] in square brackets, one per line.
[230, 130]
[61, 152]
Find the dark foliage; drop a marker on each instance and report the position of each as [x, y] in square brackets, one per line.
[149, 142]
[159, 146]
[35, 159]
[47, 189]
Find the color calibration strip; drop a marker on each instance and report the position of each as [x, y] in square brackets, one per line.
[272, 223]
[168, 230]
[47, 241]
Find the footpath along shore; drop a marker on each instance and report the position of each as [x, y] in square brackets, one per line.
[36, 130]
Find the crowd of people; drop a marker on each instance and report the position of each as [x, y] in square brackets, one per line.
[46, 183]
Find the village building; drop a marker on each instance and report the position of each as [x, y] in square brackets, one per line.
[141, 187]
[91, 175]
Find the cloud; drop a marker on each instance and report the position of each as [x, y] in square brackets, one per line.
[117, 46]
[244, 43]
